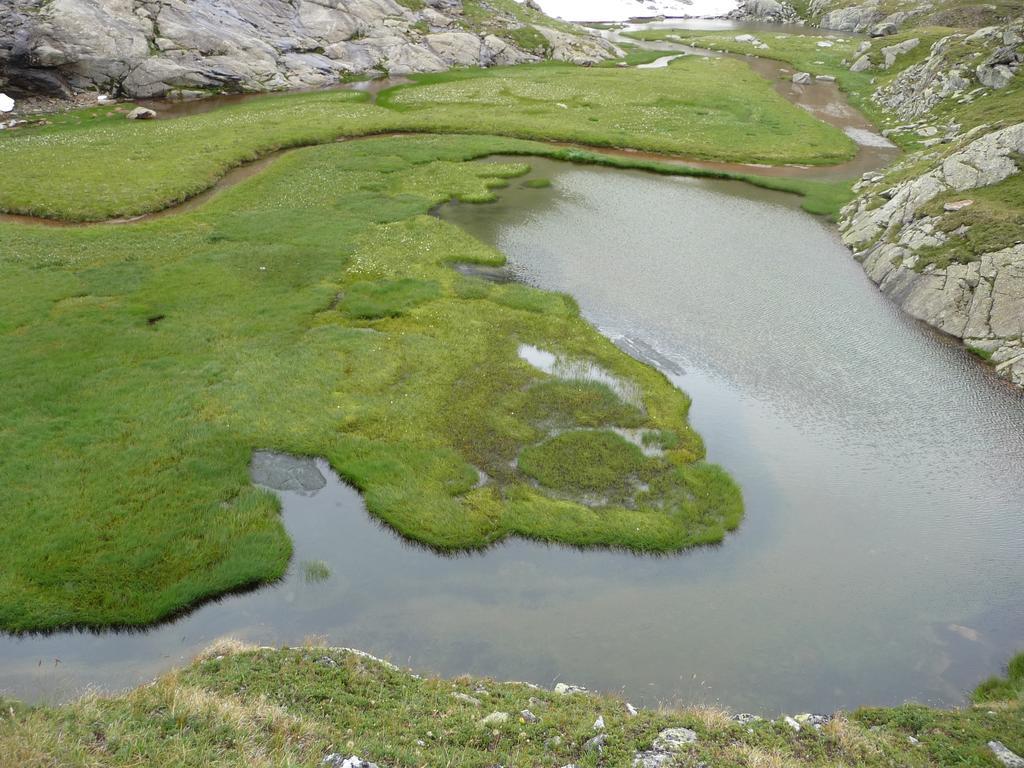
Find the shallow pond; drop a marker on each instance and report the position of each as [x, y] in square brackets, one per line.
[881, 556]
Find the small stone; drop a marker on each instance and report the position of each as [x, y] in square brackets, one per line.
[564, 689]
[666, 746]
[824, 78]
[596, 744]
[6, 103]
[957, 205]
[622, 65]
[745, 718]
[599, 723]
[861, 64]
[529, 717]
[744, 38]
[913, 740]
[824, 44]
[630, 710]
[420, 743]
[792, 723]
[1005, 756]
[802, 78]
[467, 699]
[335, 760]
[495, 718]
[141, 113]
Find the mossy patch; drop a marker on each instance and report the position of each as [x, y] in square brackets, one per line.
[584, 462]
[386, 298]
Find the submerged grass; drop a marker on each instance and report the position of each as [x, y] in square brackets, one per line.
[309, 310]
[237, 707]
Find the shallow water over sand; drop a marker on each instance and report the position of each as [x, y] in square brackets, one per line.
[880, 558]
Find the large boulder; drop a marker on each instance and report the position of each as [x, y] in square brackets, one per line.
[891, 52]
[149, 48]
[854, 18]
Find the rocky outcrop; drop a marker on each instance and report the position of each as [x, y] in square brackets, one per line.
[956, 64]
[981, 301]
[770, 11]
[854, 18]
[152, 48]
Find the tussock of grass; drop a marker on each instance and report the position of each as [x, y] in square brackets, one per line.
[314, 571]
[386, 298]
[292, 707]
[585, 462]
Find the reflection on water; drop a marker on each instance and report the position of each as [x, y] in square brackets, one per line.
[580, 370]
[880, 558]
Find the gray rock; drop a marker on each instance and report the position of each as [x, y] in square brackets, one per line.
[148, 49]
[883, 29]
[957, 205]
[6, 103]
[493, 719]
[282, 472]
[998, 76]
[891, 52]
[802, 78]
[335, 760]
[595, 744]
[854, 18]
[667, 745]
[465, 698]
[529, 717]
[141, 113]
[981, 302]
[765, 10]
[565, 689]
[861, 64]
[1005, 756]
[745, 718]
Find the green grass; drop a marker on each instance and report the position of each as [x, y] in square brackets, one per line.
[995, 221]
[700, 108]
[803, 54]
[268, 708]
[312, 310]
[529, 39]
[386, 298]
[585, 461]
[97, 165]
[1008, 688]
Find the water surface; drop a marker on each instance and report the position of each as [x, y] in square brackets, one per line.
[880, 558]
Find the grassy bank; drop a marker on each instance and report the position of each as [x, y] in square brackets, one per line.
[95, 164]
[310, 310]
[257, 708]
